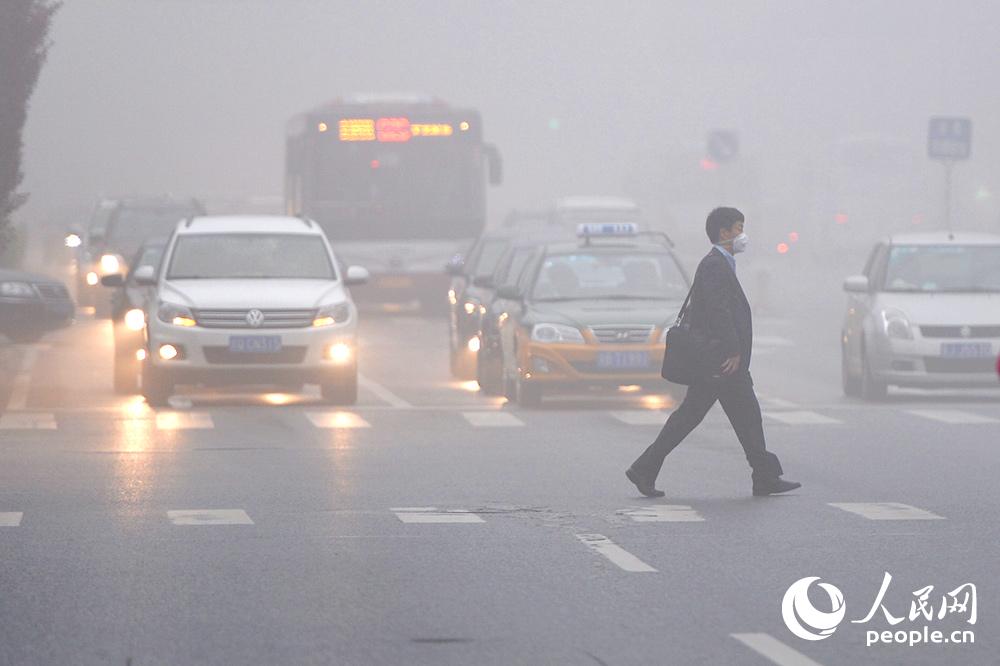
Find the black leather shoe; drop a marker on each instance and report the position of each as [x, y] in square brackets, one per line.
[645, 487]
[779, 485]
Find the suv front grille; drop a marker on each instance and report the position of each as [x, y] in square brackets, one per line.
[622, 333]
[238, 318]
[956, 331]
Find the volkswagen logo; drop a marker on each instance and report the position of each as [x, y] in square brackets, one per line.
[255, 318]
[621, 335]
[965, 331]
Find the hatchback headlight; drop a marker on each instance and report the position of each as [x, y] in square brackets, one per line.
[555, 333]
[178, 315]
[332, 314]
[18, 289]
[895, 324]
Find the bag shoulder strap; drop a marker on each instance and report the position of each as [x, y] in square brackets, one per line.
[684, 308]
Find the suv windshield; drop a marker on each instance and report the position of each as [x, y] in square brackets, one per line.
[236, 256]
[590, 275]
[943, 268]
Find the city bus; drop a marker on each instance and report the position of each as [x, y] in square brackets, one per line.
[398, 185]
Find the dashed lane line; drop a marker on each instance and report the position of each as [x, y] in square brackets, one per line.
[774, 650]
[430, 514]
[22, 382]
[952, 416]
[663, 513]
[886, 511]
[801, 417]
[614, 553]
[641, 417]
[492, 419]
[209, 517]
[10, 518]
[28, 421]
[337, 419]
[183, 421]
[383, 393]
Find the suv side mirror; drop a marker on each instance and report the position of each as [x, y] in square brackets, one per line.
[856, 284]
[356, 275]
[112, 280]
[494, 164]
[145, 275]
[509, 292]
[485, 281]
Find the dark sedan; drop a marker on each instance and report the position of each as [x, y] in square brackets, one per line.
[31, 305]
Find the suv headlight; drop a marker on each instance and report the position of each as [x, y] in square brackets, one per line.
[329, 315]
[554, 333]
[895, 324]
[18, 289]
[178, 315]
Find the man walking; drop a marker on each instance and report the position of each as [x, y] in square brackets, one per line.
[720, 309]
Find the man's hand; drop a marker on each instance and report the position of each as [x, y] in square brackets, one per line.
[731, 364]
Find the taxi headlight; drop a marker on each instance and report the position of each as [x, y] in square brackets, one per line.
[896, 325]
[178, 315]
[332, 314]
[470, 307]
[110, 264]
[17, 289]
[555, 333]
[135, 319]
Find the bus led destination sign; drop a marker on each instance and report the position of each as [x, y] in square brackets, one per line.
[389, 130]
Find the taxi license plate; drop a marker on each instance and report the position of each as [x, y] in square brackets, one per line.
[395, 281]
[966, 349]
[630, 360]
[254, 344]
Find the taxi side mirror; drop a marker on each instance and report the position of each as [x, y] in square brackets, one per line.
[509, 292]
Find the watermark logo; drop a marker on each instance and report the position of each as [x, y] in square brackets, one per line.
[805, 620]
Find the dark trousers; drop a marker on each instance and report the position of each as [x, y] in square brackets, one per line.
[739, 401]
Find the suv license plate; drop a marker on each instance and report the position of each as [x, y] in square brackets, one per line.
[254, 344]
[966, 349]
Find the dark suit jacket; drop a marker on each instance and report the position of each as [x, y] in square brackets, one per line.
[721, 309]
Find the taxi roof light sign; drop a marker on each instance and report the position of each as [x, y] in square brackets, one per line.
[590, 229]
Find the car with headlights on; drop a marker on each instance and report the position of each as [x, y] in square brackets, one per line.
[31, 305]
[590, 314]
[128, 313]
[251, 301]
[924, 313]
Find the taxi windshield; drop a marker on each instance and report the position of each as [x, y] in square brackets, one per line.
[589, 275]
[943, 268]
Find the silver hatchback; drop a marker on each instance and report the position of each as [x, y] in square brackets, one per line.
[925, 313]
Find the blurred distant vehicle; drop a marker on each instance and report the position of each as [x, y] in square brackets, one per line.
[588, 315]
[573, 210]
[117, 228]
[250, 301]
[925, 313]
[397, 183]
[31, 305]
[129, 303]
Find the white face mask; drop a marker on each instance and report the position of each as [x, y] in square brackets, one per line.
[740, 243]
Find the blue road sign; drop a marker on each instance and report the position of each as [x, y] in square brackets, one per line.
[723, 145]
[949, 138]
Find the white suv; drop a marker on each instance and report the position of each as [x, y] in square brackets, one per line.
[250, 300]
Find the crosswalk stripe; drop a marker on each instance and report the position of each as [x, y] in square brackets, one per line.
[801, 417]
[641, 417]
[774, 650]
[384, 394]
[617, 555]
[183, 421]
[886, 511]
[952, 416]
[209, 517]
[663, 513]
[337, 419]
[10, 518]
[492, 419]
[429, 514]
[28, 421]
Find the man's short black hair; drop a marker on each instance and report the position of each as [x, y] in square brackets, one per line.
[719, 219]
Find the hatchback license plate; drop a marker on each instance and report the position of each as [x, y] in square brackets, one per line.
[254, 344]
[966, 349]
[623, 359]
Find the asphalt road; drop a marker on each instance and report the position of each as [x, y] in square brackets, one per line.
[431, 525]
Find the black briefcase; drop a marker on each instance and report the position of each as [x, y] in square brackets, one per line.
[690, 356]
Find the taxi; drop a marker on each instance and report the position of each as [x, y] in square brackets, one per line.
[590, 314]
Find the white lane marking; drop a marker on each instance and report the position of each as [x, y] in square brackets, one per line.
[28, 421]
[430, 514]
[492, 419]
[384, 394]
[777, 403]
[617, 555]
[642, 417]
[663, 513]
[886, 511]
[183, 421]
[10, 518]
[337, 419]
[180, 402]
[952, 416]
[801, 417]
[774, 650]
[209, 517]
[771, 341]
[22, 382]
